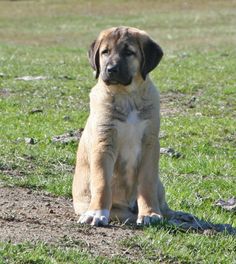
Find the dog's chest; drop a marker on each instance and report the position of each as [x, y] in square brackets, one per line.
[130, 135]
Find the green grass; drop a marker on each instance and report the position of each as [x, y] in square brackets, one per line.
[194, 249]
[50, 38]
[44, 254]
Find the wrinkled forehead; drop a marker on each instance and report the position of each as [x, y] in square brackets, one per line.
[121, 37]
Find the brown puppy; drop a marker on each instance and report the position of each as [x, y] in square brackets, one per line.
[117, 161]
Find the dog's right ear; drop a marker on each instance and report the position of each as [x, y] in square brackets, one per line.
[93, 55]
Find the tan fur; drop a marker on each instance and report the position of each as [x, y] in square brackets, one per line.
[118, 154]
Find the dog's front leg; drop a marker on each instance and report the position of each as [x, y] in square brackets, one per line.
[148, 203]
[101, 171]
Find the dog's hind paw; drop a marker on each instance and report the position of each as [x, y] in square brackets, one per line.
[146, 220]
[95, 218]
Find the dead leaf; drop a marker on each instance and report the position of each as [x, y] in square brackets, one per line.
[229, 205]
[4, 92]
[170, 152]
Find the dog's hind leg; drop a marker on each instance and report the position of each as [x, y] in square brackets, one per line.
[80, 188]
[165, 210]
[123, 215]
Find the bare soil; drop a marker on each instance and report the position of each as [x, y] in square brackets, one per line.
[35, 216]
[172, 103]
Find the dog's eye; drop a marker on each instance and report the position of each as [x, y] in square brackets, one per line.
[105, 52]
[129, 52]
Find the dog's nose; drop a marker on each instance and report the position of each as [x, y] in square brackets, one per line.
[112, 69]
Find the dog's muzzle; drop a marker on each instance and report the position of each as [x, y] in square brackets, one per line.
[115, 75]
[112, 73]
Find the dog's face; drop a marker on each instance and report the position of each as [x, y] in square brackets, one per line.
[120, 54]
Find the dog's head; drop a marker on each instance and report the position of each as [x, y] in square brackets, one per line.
[119, 54]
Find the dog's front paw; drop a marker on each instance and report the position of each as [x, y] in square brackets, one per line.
[146, 220]
[95, 218]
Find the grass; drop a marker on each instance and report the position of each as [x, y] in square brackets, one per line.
[41, 253]
[50, 38]
[194, 249]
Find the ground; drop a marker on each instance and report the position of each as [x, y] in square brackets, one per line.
[28, 215]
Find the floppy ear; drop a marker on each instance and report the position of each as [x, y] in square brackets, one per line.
[151, 56]
[93, 55]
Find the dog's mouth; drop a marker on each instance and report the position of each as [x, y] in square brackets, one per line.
[113, 81]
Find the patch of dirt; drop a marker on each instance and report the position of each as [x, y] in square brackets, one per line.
[9, 171]
[72, 136]
[27, 215]
[171, 103]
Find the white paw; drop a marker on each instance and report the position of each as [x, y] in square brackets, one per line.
[146, 220]
[95, 218]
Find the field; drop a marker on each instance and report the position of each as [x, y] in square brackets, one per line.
[197, 81]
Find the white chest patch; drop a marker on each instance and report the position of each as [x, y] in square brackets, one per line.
[130, 134]
[133, 117]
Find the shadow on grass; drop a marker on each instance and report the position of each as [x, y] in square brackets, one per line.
[182, 221]
[185, 222]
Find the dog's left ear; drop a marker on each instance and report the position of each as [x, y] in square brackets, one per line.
[93, 55]
[151, 56]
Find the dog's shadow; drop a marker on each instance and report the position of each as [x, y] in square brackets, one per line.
[186, 222]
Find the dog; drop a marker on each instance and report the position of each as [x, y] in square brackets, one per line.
[117, 168]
